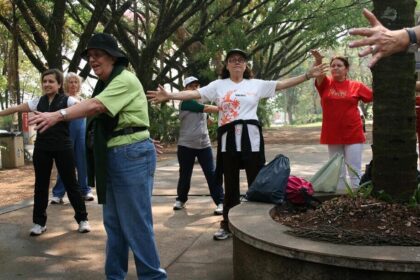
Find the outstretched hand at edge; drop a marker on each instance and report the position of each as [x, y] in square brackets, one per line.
[380, 41]
[158, 96]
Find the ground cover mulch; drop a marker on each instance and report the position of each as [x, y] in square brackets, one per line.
[354, 221]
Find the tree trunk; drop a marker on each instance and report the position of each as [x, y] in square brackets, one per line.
[394, 134]
[12, 69]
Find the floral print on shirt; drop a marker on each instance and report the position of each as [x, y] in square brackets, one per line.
[230, 106]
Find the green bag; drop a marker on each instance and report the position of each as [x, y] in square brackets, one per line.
[326, 179]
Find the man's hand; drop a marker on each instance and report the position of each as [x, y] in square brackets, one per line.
[380, 41]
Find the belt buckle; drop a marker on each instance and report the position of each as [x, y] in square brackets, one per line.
[128, 130]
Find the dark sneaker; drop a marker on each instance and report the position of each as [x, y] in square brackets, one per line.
[222, 234]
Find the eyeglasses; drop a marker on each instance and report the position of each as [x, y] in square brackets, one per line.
[95, 54]
[236, 60]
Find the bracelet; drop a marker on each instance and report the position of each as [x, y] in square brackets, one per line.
[307, 76]
[412, 35]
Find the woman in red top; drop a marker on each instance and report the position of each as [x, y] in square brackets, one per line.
[342, 128]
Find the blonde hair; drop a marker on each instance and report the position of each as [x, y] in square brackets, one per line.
[70, 76]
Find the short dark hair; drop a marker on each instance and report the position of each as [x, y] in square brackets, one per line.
[58, 76]
[342, 58]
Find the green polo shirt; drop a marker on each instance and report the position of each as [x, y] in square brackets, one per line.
[125, 95]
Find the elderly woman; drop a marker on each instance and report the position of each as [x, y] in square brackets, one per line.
[53, 145]
[240, 139]
[342, 127]
[77, 128]
[123, 157]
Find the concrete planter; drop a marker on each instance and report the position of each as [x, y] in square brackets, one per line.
[262, 250]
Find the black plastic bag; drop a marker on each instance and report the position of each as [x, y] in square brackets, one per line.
[270, 184]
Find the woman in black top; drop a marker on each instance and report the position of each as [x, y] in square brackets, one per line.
[53, 144]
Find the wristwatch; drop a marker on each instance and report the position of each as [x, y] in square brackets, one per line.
[413, 46]
[63, 113]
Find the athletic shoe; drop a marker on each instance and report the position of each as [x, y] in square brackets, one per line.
[37, 230]
[57, 200]
[89, 197]
[219, 209]
[222, 234]
[178, 205]
[84, 227]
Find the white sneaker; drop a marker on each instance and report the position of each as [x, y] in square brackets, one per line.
[37, 230]
[219, 209]
[57, 200]
[89, 197]
[178, 205]
[84, 227]
[222, 234]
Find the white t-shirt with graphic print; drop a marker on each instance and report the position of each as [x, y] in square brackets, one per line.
[238, 101]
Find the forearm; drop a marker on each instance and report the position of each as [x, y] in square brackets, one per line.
[184, 95]
[211, 109]
[24, 107]
[85, 108]
[291, 82]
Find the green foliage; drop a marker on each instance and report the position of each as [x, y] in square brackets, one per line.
[164, 123]
[415, 198]
[382, 195]
[212, 130]
[264, 113]
[308, 118]
[278, 34]
[364, 190]
[6, 122]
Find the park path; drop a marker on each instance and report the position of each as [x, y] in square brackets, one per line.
[184, 238]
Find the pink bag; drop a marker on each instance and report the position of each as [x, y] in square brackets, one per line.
[298, 190]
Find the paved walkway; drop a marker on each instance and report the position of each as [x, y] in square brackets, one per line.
[184, 237]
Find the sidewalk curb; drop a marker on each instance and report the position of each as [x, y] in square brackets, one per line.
[23, 204]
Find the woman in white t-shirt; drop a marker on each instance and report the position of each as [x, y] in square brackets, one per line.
[240, 140]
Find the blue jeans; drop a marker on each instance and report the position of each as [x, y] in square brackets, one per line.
[127, 212]
[77, 130]
[186, 159]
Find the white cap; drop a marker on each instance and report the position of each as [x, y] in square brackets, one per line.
[189, 80]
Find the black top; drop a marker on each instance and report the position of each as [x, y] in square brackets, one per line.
[55, 138]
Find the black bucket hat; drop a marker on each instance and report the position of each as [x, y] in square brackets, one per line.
[237, 51]
[107, 43]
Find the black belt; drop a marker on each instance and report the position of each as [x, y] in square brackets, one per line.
[128, 130]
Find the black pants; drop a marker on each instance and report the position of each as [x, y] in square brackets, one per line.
[232, 164]
[43, 162]
[186, 159]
